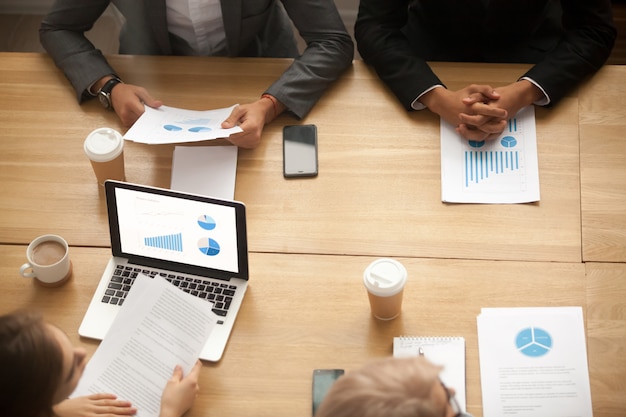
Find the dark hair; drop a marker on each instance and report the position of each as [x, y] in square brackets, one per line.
[31, 364]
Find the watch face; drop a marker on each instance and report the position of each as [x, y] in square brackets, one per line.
[105, 100]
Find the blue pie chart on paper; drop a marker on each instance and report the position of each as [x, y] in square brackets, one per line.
[206, 222]
[199, 129]
[208, 246]
[533, 342]
[476, 144]
[508, 141]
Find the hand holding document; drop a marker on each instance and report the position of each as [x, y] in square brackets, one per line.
[158, 327]
[173, 125]
[504, 170]
[533, 362]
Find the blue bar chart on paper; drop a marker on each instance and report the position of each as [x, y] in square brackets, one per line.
[504, 170]
[500, 160]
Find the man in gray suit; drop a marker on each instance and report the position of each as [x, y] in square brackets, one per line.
[236, 28]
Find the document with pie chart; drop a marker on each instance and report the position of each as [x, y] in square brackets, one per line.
[533, 362]
[500, 171]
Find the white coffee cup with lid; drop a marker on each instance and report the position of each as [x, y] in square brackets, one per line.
[384, 280]
[105, 149]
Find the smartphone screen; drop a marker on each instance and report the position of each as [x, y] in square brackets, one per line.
[300, 151]
[323, 379]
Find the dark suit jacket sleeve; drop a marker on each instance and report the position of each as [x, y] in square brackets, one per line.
[382, 44]
[585, 46]
[62, 35]
[328, 53]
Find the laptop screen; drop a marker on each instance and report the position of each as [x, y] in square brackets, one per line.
[174, 230]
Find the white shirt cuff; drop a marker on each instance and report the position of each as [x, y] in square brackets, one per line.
[545, 100]
[416, 105]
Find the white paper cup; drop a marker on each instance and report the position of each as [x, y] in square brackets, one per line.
[105, 149]
[48, 261]
[384, 280]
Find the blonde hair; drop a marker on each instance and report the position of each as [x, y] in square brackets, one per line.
[389, 387]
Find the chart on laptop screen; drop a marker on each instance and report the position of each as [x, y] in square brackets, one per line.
[174, 229]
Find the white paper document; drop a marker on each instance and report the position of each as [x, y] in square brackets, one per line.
[205, 170]
[158, 327]
[533, 362]
[504, 170]
[174, 125]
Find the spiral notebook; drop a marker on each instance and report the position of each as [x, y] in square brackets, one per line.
[448, 352]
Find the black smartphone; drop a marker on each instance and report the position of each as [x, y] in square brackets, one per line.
[323, 379]
[300, 151]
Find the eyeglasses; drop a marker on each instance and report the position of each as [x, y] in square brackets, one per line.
[454, 404]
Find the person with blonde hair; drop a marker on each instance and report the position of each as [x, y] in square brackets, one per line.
[391, 387]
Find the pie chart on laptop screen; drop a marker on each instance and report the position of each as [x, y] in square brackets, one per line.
[206, 222]
[208, 246]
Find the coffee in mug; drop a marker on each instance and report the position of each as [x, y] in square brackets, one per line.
[105, 149]
[384, 280]
[48, 252]
[48, 261]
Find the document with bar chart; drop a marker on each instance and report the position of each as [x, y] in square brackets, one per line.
[501, 171]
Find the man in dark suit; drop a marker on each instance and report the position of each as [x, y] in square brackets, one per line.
[259, 28]
[567, 41]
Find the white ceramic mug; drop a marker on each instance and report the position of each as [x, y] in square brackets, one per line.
[48, 261]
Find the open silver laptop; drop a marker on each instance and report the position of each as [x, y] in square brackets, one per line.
[197, 243]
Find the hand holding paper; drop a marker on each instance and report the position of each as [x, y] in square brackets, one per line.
[158, 328]
[174, 125]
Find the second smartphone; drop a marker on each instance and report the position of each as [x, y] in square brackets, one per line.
[300, 151]
[323, 379]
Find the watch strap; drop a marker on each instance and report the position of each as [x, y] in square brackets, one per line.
[105, 92]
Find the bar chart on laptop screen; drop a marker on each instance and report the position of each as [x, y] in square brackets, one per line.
[503, 170]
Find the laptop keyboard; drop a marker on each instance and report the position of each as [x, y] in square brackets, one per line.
[220, 294]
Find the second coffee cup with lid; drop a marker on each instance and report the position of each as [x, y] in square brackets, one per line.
[105, 149]
[384, 280]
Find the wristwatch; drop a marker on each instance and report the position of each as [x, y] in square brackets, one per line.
[104, 94]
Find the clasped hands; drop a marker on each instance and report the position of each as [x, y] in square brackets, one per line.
[128, 102]
[480, 112]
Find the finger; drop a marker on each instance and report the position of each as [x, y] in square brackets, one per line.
[102, 396]
[147, 99]
[177, 375]
[471, 134]
[489, 110]
[494, 127]
[195, 371]
[233, 119]
[485, 90]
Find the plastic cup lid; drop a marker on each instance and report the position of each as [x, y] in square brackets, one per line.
[103, 144]
[385, 277]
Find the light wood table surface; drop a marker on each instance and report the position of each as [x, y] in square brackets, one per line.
[378, 194]
[303, 312]
[603, 165]
[378, 191]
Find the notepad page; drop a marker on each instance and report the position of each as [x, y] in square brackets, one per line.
[448, 352]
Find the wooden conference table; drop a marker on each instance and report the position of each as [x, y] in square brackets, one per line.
[378, 191]
[378, 194]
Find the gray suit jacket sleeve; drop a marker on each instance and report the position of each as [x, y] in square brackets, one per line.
[253, 28]
[328, 53]
[62, 35]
